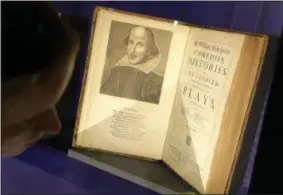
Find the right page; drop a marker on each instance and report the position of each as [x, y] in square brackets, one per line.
[208, 69]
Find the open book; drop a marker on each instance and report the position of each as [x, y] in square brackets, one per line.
[170, 91]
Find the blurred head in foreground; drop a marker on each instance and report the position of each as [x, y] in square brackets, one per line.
[39, 51]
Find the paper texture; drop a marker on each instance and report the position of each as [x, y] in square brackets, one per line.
[131, 83]
[210, 61]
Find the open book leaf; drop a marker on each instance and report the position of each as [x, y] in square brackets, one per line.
[164, 90]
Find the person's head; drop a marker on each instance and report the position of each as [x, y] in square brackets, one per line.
[38, 56]
[141, 45]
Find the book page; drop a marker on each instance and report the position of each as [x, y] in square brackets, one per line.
[206, 76]
[134, 68]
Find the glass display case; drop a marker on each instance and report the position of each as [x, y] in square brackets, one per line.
[54, 167]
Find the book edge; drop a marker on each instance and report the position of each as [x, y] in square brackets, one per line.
[182, 22]
[90, 44]
[245, 123]
[116, 153]
[211, 186]
[87, 64]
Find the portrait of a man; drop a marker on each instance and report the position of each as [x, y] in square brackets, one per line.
[136, 75]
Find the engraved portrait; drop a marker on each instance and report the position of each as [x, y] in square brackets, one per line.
[135, 62]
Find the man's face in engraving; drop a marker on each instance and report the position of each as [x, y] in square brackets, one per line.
[137, 48]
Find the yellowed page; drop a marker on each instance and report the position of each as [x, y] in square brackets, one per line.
[209, 66]
[124, 113]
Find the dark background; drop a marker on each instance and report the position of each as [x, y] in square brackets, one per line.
[246, 16]
[262, 17]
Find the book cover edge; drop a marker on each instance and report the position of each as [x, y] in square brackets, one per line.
[182, 22]
[95, 14]
[251, 100]
[85, 74]
[245, 121]
[94, 18]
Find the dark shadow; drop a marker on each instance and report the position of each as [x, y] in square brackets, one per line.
[67, 106]
[266, 172]
[243, 169]
[157, 172]
[153, 171]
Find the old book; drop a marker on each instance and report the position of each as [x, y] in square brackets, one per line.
[170, 91]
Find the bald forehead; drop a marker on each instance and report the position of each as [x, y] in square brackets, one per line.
[140, 33]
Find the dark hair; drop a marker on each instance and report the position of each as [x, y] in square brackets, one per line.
[32, 37]
[153, 50]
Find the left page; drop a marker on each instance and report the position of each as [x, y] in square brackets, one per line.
[130, 83]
